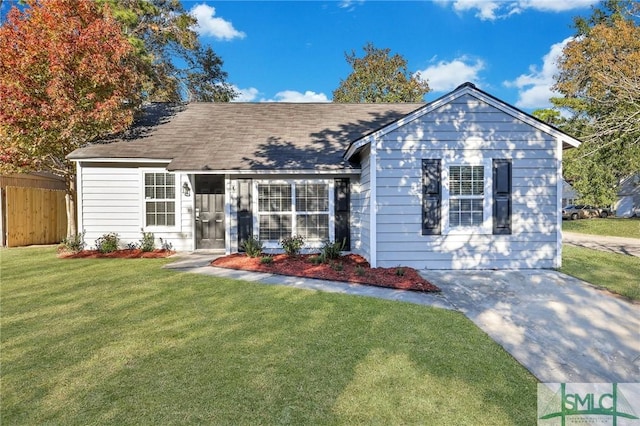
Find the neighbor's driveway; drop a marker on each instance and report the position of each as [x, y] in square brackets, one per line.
[560, 328]
[630, 246]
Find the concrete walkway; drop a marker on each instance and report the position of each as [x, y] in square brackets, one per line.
[560, 328]
[629, 246]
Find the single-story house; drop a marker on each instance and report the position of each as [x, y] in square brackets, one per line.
[464, 182]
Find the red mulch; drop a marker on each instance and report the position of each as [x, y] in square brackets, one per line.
[118, 254]
[301, 266]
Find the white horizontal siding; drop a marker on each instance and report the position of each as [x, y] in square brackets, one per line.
[362, 209]
[112, 201]
[466, 130]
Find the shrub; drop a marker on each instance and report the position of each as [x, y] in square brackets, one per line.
[316, 260]
[132, 246]
[266, 260]
[252, 246]
[292, 245]
[337, 266]
[331, 251]
[166, 245]
[359, 270]
[400, 271]
[148, 241]
[74, 243]
[108, 243]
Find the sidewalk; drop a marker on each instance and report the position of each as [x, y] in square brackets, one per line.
[628, 246]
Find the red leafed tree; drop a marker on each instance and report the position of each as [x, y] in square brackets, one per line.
[66, 78]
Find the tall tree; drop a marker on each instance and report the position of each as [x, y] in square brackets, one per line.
[599, 76]
[379, 77]
[67, 77]
[163, 34]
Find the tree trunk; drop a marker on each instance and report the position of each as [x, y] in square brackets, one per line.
[70, 202]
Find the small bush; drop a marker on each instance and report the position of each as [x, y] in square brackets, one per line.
[400, 271]
[316, 260]
[337, 266]
[108, 243]
[166, 245]
[266, 260]
[148, 241]
[331, 251]
[292, 245]
[359, 270]
[74, 243]
[253, 247]
[132, 246]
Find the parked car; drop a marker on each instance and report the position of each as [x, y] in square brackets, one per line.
[580, 211]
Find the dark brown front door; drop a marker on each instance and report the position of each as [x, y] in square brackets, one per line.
[210, 225]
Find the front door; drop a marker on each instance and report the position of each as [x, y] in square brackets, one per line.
[210, 224]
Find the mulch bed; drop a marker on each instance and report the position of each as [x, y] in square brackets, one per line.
[118, 254]
[349, 268]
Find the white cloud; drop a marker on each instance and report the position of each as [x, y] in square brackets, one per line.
[534, 88]
[350, 4]
[490, 10]
[209, 25]
[251, 95]
[245, 95]
[445, 76]
[294, 96]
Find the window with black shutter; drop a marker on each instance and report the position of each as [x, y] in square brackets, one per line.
[501, 196]
[431, 196]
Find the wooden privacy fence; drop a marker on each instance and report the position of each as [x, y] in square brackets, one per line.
[33, 216]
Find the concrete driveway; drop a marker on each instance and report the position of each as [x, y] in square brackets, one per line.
[558, 327]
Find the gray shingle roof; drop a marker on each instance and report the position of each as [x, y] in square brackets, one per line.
[250, 136]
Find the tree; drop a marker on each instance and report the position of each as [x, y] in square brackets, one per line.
[67, 77]
[599, 76]
[162, 33]
[377, 77]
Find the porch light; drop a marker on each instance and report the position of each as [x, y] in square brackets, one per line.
[185, 189]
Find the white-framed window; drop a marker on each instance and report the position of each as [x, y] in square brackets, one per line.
[294, 207]
[467, 197]
[159, 199]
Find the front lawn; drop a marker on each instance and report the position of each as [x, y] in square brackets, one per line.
[122, 341]
[614, 227]
[618, 273]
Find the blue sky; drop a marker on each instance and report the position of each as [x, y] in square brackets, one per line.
[294, 50]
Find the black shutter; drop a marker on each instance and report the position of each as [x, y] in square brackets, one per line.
[431, 197]
[341, 215]
[501, 196]
[245, 218]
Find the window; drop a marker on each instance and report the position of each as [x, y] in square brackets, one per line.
[293, 208]
[160, 194]
[466, 196]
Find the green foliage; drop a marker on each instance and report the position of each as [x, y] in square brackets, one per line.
[266, 260]
[169, 55]
[252, 246]
[400, 271]
[598, 75]
[108, 243]
[377, 77]
[292, 245]
[75, 243]
[359, 270]
[331, 250]
[148, 241]
[316, 260]
[337, 266]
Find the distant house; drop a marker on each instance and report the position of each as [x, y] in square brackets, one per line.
[464, 182]
[569, 194]
[628, 203]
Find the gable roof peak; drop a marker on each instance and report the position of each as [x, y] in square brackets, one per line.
[466, 84]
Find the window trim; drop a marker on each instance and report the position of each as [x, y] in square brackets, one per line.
[176, 200]
[487, 213]
[272, 244]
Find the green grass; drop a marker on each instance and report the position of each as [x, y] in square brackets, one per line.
[614, 227]
[126, 342]
[618, 273]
